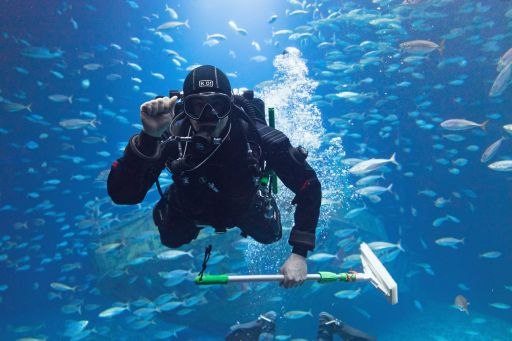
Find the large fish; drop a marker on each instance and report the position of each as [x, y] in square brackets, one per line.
[173, 24]
[461, 124]
[421, 46]
[502, 81]
[450, 242]
[41, 53]
[173, 254]
[367, 166]
[501, 166]
[492, 150]
[77, 123]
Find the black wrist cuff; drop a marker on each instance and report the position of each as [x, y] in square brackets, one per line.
[141, 144]
[302, 240]
[300, 251]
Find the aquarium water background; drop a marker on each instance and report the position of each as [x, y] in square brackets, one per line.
[74, 74]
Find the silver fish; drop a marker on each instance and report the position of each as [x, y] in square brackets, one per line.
[499, 305]
[111, 312]
[450, 242]
[508, 128]
[491, 150]
[367, 166]
[421, 46]
[501, 166]
[490, 254]
[348, 294]
[502, 81]
[505, 60]
[15, 107]
[385, 245]
[461, 124]
[173, 24]
[77, 123]
[173, 254]
[297, 314]
[61, 98]
[373, 190]
[62, 287]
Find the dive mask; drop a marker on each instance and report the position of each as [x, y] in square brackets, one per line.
[194, 105]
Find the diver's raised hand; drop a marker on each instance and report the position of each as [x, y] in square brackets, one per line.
[156, 115]
[295, 271]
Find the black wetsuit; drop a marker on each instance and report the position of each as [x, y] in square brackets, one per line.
[223, 191]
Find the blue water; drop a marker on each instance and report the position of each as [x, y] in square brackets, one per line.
[56, 214]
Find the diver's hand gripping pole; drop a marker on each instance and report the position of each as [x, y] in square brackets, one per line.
[374, 272]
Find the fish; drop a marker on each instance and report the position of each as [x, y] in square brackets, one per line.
[272, 19]
[499, 305]
[41, 52]
[373, 190]
[173, 254]
[77, 123]
[345, 232]
[281, 32]
[449, 241]
[173, 24]
[296, 12]
[367, 166]
[297, 314]
[490, 254]
[501, 166]
[237, 29]
[492, 150]
[15, 107]
[92, 66]
[441, 202]
[256, 45]
[501, 82]
[321, 257]
[172, 13]
[218, 36]
[134, 66]
[369, 180]
[421, 46]
[462, 124]
[258, 59]
[114, 311]
[508, 128]
[211, 43]
[439, 221]
[58, 98]
[108, 247]
[385, 245]
[353, 213]
[62, 287]
[348, 294]
[461, 303]
[57, 74]
[505, 60]
[73, 328]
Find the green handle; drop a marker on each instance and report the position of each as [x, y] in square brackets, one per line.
[271, 118]
[212, 279]
[327, 277]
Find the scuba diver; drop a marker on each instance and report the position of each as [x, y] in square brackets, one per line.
[218, 148]
[263, 329]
